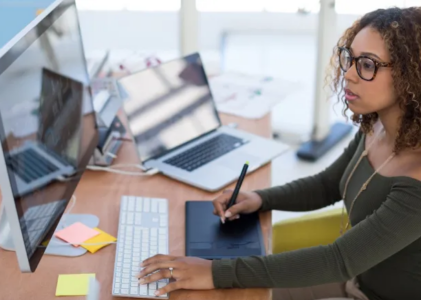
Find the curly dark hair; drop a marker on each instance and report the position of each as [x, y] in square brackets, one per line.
[401, 31]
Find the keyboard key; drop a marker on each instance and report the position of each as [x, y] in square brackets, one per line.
[143, 290]
[134, 291]
[152, 286]
[146, 205]
[130, 218]
[139, 204]
[162, 208]
[154, 206]
[131, 205]
[125, 291]
[138, 219]
[123, 218]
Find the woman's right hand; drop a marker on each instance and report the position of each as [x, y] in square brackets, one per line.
[246, 203]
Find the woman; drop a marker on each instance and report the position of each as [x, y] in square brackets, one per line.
[377, 66]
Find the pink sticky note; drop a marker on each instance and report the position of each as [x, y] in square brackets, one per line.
[76, 234]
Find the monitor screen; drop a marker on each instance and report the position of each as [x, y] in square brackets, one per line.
[168, 105]
[47, 122]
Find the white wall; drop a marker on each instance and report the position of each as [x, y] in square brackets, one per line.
[158, 31]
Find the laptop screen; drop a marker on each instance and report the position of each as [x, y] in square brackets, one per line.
[169, 105]
[60, 101]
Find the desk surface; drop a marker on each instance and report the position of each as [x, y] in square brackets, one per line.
[99, 193]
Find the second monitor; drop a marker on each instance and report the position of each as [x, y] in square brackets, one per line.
[48, 129]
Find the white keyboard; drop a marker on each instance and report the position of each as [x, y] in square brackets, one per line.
[142, 233]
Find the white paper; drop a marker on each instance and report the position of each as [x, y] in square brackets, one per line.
[249, 96]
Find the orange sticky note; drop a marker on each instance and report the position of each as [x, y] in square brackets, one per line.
[101, 239]
[76, 234]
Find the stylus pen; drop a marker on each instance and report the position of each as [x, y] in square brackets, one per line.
[238, 185]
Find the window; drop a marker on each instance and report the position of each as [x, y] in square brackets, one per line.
[230, 5]
[100, 4]
[410, 3]
[360, 7]
[142, 5]
[292, 6]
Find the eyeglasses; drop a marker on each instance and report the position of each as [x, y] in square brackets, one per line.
[366, 66]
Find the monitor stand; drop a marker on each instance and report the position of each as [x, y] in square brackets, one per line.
[56, 246]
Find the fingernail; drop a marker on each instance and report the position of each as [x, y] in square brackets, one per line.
[238, 216]
[156, 293]
[222, 220]
[228, 214]
[142, 281]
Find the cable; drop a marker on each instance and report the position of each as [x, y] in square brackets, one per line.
[112, 155]
[114, 169]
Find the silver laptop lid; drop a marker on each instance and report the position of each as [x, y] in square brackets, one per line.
[168, 106]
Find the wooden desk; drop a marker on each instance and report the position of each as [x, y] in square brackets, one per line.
[99, 193]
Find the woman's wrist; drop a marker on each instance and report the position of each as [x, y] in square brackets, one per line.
[263, 203]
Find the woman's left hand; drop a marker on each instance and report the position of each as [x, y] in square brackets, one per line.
[190, 273]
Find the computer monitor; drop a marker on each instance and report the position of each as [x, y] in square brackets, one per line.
[48, 129]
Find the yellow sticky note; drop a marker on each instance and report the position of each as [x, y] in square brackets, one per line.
[102, 237]
[73, 284]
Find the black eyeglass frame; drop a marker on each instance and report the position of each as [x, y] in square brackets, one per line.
[354, 60]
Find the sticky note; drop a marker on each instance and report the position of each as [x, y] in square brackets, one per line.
[76, 234]
[102, 237]
[73, 284]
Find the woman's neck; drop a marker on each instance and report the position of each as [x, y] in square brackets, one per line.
[390, 120]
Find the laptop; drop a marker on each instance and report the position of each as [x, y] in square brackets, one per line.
[54, 152]
[176, 128]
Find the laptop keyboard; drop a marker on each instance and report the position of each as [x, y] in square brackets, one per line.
[206, 152]
[29, 165]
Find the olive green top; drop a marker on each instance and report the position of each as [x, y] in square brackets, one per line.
[382, 249]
